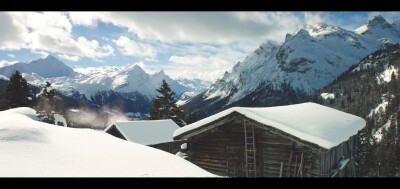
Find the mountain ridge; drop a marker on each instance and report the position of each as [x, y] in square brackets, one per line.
[128, 88]
[130, 78]
[306, 61]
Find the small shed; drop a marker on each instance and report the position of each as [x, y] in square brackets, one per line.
[302, 140]
[154, 133]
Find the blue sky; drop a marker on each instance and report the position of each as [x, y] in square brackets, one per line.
[184, 44]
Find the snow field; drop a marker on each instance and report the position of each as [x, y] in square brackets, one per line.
[30, 148]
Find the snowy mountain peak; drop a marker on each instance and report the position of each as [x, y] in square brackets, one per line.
[160, 73]
[379, 28]
[302, 33]
[288, 37]
[306, 61]
[47, 67]
[321, 29]
[378, 21]
[133, 68]
[50, 57]
[130, 71]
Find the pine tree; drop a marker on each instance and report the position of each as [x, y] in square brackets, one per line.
[164, 106]
[17, 92]
[47, 106]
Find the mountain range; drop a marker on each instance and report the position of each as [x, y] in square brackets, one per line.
[284, 73]
[128, 86]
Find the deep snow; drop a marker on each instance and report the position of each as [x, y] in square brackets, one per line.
[29, 148]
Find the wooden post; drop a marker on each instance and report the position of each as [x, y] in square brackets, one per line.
[280, 174]
[288, 168]
[300, 173]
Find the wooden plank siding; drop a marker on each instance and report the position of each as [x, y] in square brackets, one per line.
[221, 150]
[333, 156]
[214, 149]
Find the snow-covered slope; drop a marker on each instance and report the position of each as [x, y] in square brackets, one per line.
[308, 60]
[34, 149]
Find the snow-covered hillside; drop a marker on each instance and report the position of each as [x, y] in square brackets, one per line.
[30, 148]
[307, 60]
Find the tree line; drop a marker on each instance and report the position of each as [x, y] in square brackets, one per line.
[17, 93]
[362, 91]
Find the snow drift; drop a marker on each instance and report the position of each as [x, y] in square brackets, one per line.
[29, 148]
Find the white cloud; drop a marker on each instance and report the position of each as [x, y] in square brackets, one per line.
[47, 31]
[7, 63]
[12, 33]
[11, 55]
[44, 54]
[84, 18]
[194, 66]
[316, 17]
[133, 48]
[213, 27]
[71, 58]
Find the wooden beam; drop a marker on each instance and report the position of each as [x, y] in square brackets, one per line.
[300, 173]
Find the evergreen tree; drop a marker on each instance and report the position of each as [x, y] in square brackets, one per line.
[164, 106]
[47, 106]
[17, 92]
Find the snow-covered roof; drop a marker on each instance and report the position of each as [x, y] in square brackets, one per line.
[31, 148]
[310, 122]
[146, 132]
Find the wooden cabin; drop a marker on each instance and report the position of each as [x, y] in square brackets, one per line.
[302, 140]
[154, 133]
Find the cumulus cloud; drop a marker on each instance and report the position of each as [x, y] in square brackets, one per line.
[195, 66]
[47, 31]
[44, 54]
[133, 48]
[12, 33]
[316, 17]
[213, 27]
[71, 58]
[7, 63]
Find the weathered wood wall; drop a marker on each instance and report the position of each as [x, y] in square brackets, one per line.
[333, 156]
[221, 151]
[278, 150]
